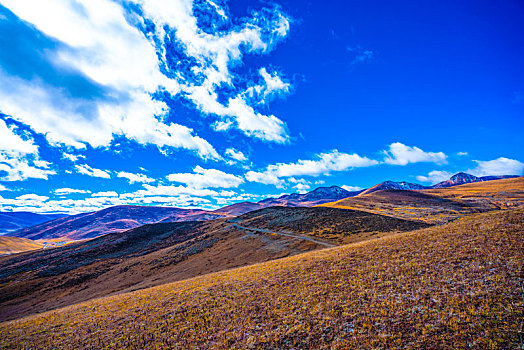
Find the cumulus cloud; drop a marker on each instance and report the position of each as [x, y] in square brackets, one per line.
[80, 80]
[93, 172]
[67, 190]
[435, 176]
[400, 154]
[324, 163]
[19, 157]
[206, 178]
[134, 178]
[499, 166]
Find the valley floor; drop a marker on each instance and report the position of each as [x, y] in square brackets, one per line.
[456, 286]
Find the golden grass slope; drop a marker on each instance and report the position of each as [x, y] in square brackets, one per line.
[441, 205]
[11, 245]
[457, 286]
[500, 194]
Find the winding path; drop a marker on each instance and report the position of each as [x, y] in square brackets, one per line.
[296, 236]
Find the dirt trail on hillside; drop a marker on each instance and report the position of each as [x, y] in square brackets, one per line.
[284, 234]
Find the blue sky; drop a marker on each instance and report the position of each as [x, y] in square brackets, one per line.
[207, 103]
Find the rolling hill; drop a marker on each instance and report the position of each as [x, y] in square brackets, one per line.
[113, 219]
[442, 204]
[159, 253]
[121, 218]
[124, 217]
[453, 286]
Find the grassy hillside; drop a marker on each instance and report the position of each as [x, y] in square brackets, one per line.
[439, 205]
[11, 245]
[454, 286]
[160, 253]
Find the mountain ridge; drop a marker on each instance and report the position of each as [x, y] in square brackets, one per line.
[121, 218]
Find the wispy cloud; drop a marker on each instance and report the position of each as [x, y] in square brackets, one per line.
[93, 172]
[67, 190]
[135, 178]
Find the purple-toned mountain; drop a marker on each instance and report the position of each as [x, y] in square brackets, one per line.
[464, 178]
[113, 219]
[392, 185]
[318, 196]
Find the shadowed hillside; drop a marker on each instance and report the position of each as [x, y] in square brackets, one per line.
[342, 226]
[453, 286]
[159, 253]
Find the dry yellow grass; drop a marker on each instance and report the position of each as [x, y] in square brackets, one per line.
[11, 245]
[440, 205]
[455, 286]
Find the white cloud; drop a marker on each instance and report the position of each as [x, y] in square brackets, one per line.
[3, 188]
[301, 185]
[351, 188]
[105, 194]
[67, 190]
[235, 156]
[499, 166]
[462, 153]
[104, 49]
[97, 42]
[271, 86]
[214, 55]
[93, 172]
[134, 178]
[435, 176]
[72, 157]
[32, 197]
[19, 157]
[324, 163]
[206, 178]
[400, 154]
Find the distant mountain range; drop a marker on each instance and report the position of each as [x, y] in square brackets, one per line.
[463, 178]
[13, 221]
[113, 219]
[121, 218]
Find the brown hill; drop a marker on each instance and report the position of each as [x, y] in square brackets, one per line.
[439, 205]
[155, 254]
[453, 286]
[11, 245]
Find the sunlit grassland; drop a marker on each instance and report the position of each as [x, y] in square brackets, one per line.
[449, 287]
